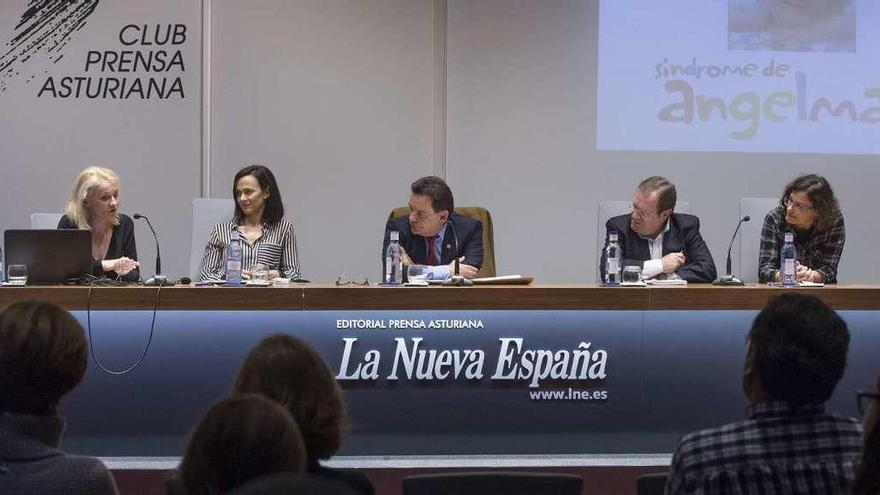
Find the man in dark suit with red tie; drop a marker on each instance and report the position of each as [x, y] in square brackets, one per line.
[666, 245]
[433, 234]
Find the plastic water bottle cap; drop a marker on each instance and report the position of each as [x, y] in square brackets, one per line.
[395, 235]
[789, 237]
[612, 236]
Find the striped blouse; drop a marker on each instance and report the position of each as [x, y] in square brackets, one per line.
[275, 248]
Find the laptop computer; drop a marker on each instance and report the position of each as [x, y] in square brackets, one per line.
[52, 256]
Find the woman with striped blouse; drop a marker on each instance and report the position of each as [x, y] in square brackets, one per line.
[267, 238]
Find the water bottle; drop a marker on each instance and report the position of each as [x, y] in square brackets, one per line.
[393, 261]
[788, 262]
[612, 260]
[233, 260]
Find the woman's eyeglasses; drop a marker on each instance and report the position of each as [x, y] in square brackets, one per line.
[797, 206]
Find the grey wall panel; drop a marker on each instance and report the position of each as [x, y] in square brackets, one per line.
[153, 144]
[336, 97]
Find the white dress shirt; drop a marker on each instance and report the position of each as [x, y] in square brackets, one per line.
[654, 266]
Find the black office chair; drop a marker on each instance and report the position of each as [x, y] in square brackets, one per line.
[285, 484]
[493, 483]
[276, 484]
[651, 484]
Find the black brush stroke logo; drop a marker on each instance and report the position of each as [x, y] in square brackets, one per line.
[45, 27]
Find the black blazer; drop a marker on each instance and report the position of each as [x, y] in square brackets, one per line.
[683, 235]
[470, 240]
[121, 244]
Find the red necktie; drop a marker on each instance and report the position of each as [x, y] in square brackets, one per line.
[432, 251]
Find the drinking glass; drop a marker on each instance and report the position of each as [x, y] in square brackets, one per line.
[632, 274]
[17, 274]
[259, 274]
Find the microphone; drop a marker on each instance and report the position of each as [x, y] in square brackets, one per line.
[456, 278]
[728, 278]
[158, 278]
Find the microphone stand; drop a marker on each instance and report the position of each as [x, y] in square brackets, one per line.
[728, 279]
[158, 278]
[456, 278]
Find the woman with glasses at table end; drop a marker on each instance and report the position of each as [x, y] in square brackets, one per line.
[868, 476]
[267, 238]
[809, 209]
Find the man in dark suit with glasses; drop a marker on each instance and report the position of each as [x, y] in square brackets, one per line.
[665, 244]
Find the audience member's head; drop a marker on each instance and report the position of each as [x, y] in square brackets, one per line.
[289, 371]
[796, 351]
[43, 356]
[241, 438]
[868, 478]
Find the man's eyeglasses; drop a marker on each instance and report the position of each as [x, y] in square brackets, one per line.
[797, 206]
[637, 211]
[864, 399]
[340, 283]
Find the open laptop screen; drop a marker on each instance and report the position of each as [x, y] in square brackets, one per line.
[52, 256]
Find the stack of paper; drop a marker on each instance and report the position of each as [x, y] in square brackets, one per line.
[674, 281]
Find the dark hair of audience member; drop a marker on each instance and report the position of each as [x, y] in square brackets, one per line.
[43, 356]
[289, 371]
[798, 349]
[274, 209]
[435, 188]
[868, 476]
[242, 437]
[818, 189]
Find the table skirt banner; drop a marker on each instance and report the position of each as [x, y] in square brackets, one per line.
[444, 382]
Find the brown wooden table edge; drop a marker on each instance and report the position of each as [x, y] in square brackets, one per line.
[754, 297]
[531, 298]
